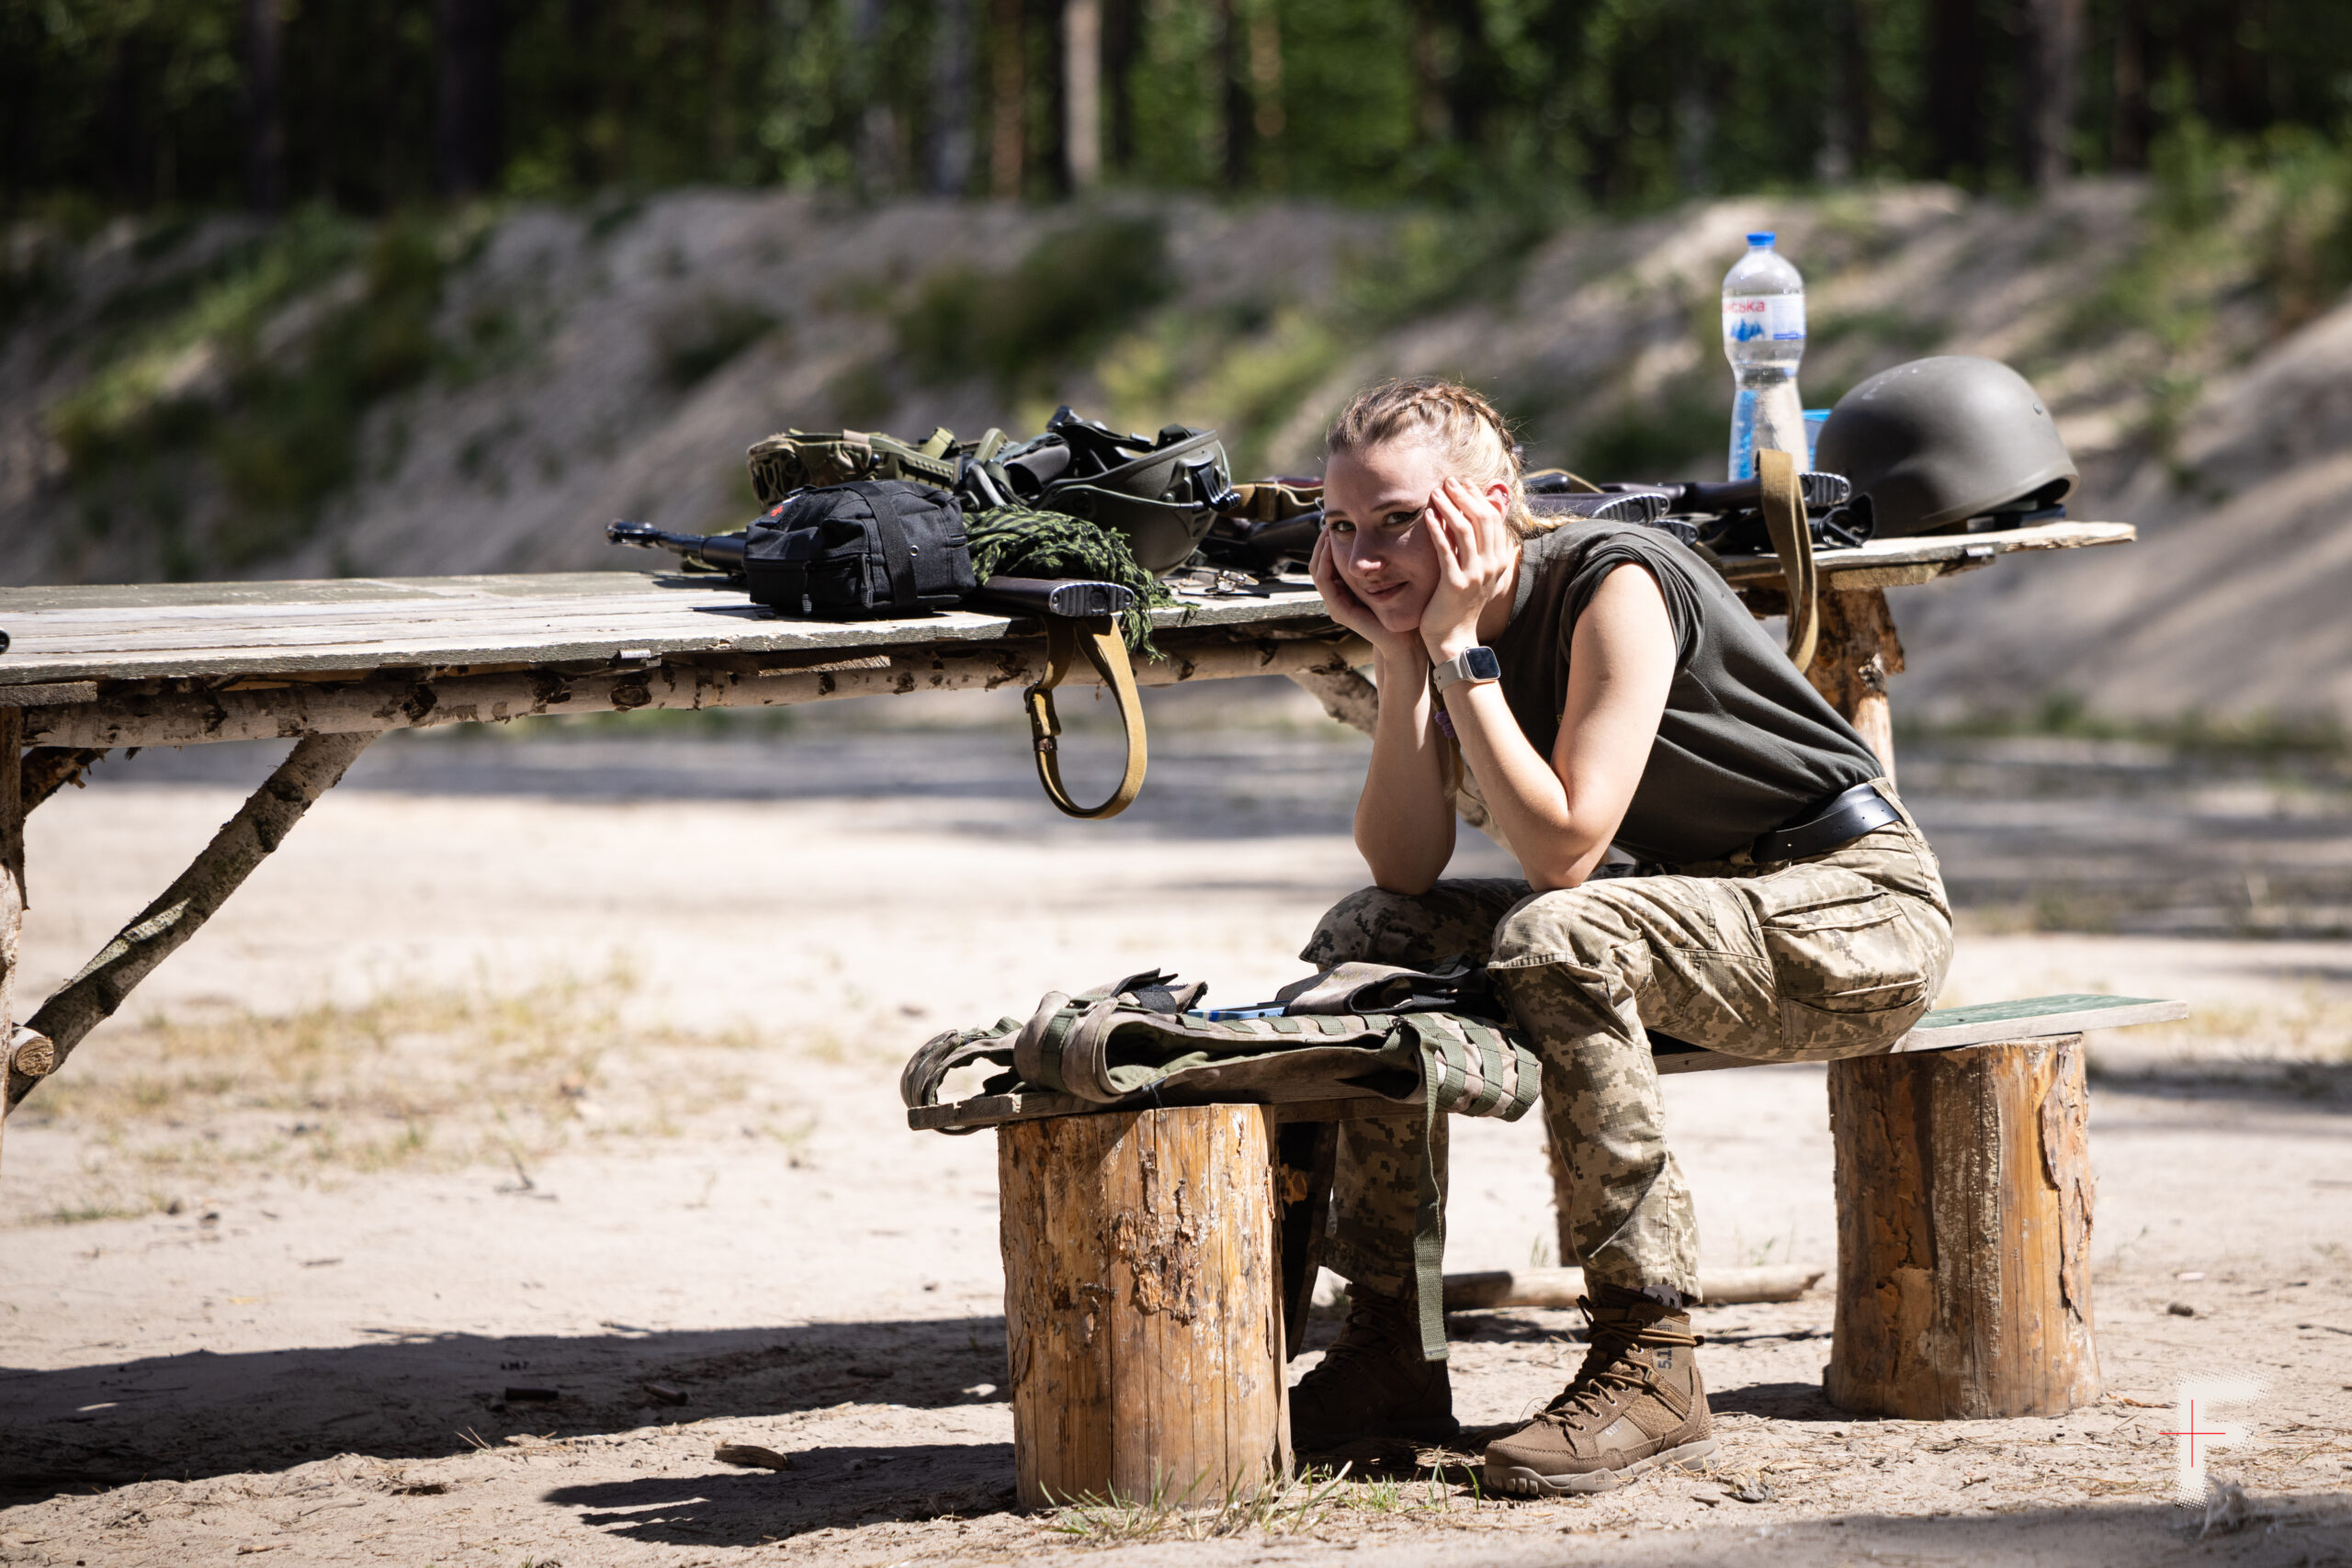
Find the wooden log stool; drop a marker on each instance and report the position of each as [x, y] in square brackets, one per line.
[1963, 1232]
[1143, 1308]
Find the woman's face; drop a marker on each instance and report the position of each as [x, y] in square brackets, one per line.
[1375, 513]
[1375, 506]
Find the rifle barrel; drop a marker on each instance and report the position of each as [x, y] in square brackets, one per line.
[718, 549]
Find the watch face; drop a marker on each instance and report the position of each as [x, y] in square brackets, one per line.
[1482, 664]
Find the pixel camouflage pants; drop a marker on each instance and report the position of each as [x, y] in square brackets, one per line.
[1833, 956]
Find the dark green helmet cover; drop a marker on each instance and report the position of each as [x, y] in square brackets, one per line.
[1935, 442]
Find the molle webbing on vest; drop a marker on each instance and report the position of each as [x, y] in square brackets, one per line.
[1134, 1042]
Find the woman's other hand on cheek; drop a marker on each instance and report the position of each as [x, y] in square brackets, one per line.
[1475, 552]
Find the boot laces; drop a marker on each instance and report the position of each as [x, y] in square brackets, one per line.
[1609, 1367]
[1365, 1338]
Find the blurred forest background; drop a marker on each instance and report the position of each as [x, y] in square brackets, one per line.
[1554, 106]
[410, 287]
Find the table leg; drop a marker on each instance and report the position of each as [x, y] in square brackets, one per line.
[1855, 652]
[311, 769]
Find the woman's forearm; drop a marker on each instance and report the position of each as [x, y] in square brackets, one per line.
[1404, 826]
[1529, 801]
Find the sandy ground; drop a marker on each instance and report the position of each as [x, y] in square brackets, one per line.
[507, 1072]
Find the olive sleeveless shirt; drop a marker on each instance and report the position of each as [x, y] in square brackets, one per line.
[1746, 744]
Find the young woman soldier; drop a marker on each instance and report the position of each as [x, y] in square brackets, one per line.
[1603, 688]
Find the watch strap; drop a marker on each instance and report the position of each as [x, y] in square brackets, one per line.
[1475, 665]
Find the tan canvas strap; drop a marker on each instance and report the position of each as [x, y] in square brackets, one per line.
[1784, 519]
[1097, 636]
[1270, 501]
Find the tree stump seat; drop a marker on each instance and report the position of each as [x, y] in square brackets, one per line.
[1158, 1262]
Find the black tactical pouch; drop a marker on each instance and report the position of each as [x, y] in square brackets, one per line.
[875, 547]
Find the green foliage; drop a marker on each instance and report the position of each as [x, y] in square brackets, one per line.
[1439, 259]
[1551, 106]
[255, 375]
[1680, 431]
[1075, 290]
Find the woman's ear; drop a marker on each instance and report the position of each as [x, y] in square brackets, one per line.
[1498, 494]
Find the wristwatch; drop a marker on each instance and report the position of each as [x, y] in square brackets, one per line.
[1472, 664]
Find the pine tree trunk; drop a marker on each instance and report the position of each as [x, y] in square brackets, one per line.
[264, 107]
[1083, 93]
[1955, 73]
[1008, 100]
[2053, 46]
[466, 38]
[948, 167]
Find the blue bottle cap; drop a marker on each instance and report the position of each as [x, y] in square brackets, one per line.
[1762, 242]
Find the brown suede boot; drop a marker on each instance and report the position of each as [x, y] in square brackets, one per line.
[1372, 1382]
[1637, 1402]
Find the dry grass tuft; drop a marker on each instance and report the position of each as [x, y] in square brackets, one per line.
[416, 1078]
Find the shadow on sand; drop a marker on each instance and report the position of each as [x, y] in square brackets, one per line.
[421, 1395]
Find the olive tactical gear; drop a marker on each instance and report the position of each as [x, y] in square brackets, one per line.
[1745, 745]
[1637, 1402]
[1836, 955]
[806, 460]
[884, 548]
[1935, 443]
[1373, 1382]
[1142, 1041]
[1376, 1027]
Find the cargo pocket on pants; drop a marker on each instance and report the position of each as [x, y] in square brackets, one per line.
[1847, 964]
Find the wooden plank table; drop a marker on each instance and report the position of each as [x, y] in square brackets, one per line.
[330, 665]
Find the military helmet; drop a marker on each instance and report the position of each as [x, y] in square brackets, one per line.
[1160, 493]
[1933, 443]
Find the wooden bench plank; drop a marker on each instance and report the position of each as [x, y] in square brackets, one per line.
[2066, 1013]
[1954, 1029]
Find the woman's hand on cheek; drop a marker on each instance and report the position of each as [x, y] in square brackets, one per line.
[1474, 547]
[1350, 612]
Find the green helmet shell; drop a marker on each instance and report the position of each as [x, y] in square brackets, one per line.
[1936, 442]
[1161, 499]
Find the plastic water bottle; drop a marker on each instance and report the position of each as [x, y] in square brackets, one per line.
[1764, 339]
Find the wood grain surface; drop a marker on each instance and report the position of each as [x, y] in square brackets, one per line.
[182, 629]
[1963, 1232]
[1142, 1304]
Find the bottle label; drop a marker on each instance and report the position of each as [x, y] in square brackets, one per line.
[1750, 316]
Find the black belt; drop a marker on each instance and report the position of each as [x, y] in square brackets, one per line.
[1844, 819]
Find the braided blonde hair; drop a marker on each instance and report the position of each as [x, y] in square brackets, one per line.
[1463, 427]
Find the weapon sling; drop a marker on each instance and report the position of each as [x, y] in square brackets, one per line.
[1098, 637]
[1784, 519]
